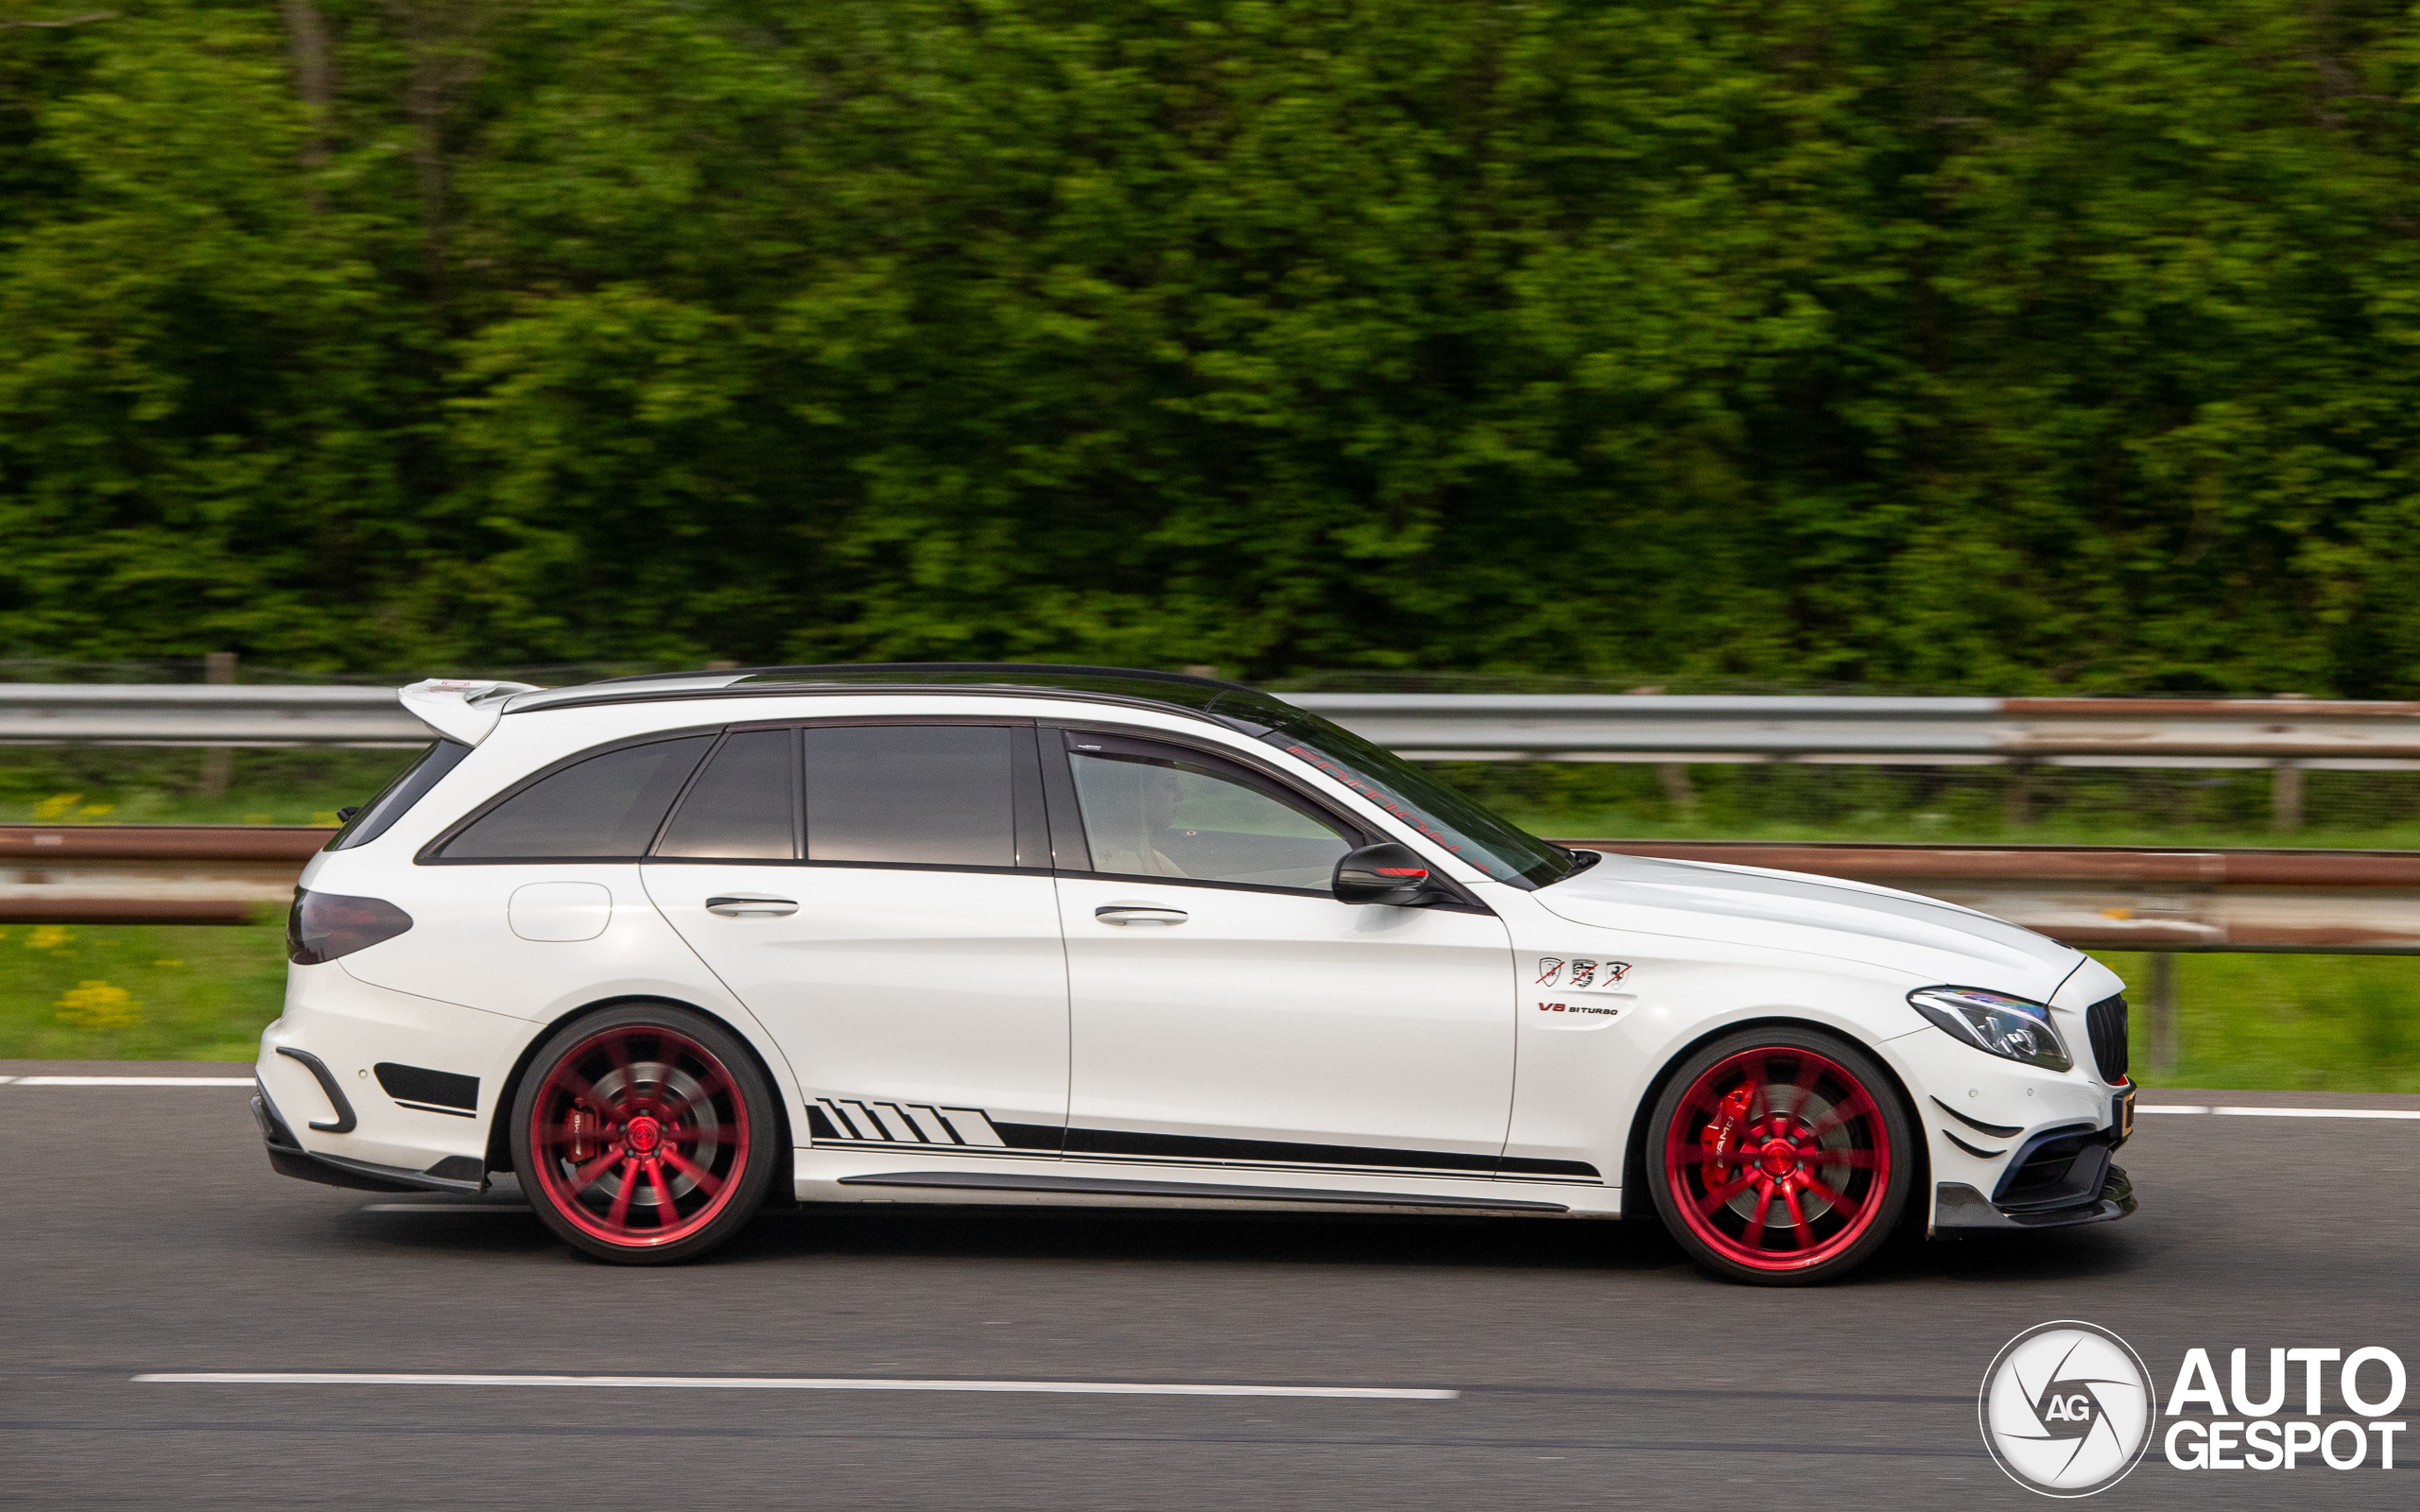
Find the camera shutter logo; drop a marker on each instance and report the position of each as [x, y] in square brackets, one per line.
[2067, 1409]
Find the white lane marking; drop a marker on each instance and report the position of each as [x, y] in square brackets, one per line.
[2320, 1112]
[2281, 1112]
[8, 1078]
[1103, 1388]
[445, 1207]
[134, 1081]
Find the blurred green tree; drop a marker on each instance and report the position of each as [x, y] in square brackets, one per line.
[2013, 345]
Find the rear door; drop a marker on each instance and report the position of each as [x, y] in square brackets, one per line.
[879, 894]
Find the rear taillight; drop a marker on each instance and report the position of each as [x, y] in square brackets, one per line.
[324, 925]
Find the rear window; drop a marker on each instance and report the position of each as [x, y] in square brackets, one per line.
[930, 795]
[396, 798]
[605, 807]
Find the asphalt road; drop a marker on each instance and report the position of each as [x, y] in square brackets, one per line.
[141, 1231]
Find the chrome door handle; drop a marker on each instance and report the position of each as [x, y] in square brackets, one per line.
[752, 907]
[1140, 914]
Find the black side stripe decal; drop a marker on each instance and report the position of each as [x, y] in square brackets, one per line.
[861, 1120]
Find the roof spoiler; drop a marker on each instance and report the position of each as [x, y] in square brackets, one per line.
[458, 710]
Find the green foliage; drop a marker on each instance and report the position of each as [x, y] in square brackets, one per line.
[127, 992]
[2340, 1023]
[2010, 346]
[121, 784]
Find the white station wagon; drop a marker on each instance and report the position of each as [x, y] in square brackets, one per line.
[662, 947]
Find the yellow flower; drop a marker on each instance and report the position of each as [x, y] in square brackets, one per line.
[325, 817]
[52, 807]
[49, 938]
[167, 963]
[98, 1005]
[97, 808]
[258, 818]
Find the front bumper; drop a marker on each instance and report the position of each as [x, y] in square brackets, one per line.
[1959, 1209]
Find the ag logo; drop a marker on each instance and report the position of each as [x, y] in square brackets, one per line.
[2067, 1409]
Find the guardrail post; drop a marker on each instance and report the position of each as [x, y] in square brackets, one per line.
[2286, 797]
[2019, 795]
[1678, 790]
[2163, 1010]
[217, 761]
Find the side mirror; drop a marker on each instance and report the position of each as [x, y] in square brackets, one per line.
[1385, 874]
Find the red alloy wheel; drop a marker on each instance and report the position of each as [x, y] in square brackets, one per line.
[639, 1136]
[1777, 1159]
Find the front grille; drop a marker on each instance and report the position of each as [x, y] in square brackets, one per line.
[2106, 1021]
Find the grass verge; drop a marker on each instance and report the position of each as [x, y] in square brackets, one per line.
[136, 992]
[123, 992]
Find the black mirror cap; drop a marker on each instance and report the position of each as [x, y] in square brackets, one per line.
[1388, 873]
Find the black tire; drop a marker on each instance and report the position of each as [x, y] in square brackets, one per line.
[661, 1134]
[1774, 1129]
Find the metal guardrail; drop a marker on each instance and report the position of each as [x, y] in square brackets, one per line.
[2287, 733]
[2101, 897]
[133, 713]
[2062, 731]
[150, 873]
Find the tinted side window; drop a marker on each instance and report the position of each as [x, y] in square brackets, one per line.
[941, 795]
[1170, 816]
[741, 807]
[607, 805]
[397, 797]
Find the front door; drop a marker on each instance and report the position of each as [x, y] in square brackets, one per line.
[1228, 1011]
[879, 895]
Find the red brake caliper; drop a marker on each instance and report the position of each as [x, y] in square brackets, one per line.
[581, 1125]
[1720, 1138]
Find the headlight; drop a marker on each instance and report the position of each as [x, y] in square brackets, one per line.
[2015, 1027]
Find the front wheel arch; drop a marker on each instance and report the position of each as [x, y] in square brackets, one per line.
[1634, 1187]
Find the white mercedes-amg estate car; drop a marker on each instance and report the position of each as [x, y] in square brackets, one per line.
[665, 947]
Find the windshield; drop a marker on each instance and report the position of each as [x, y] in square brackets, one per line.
[1495, 845]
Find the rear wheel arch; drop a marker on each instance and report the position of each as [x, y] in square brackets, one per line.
[499, 1151]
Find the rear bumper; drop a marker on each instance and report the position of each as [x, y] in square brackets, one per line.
[1959, 1209]
[286, 1157]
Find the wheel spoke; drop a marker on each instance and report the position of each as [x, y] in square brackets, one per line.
[1764, 1094]
[1798, 1224]
[1805, 1085]
[569, 1083]
[1707, 1204]
[1755, 1233]
[1856, 1108]
[707, 1090]
[668, 1212]
[586, 1177]
[618, 1215]
[707, 1181]
[1841, 1202]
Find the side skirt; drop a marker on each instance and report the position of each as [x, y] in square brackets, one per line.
[1183, 1190]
